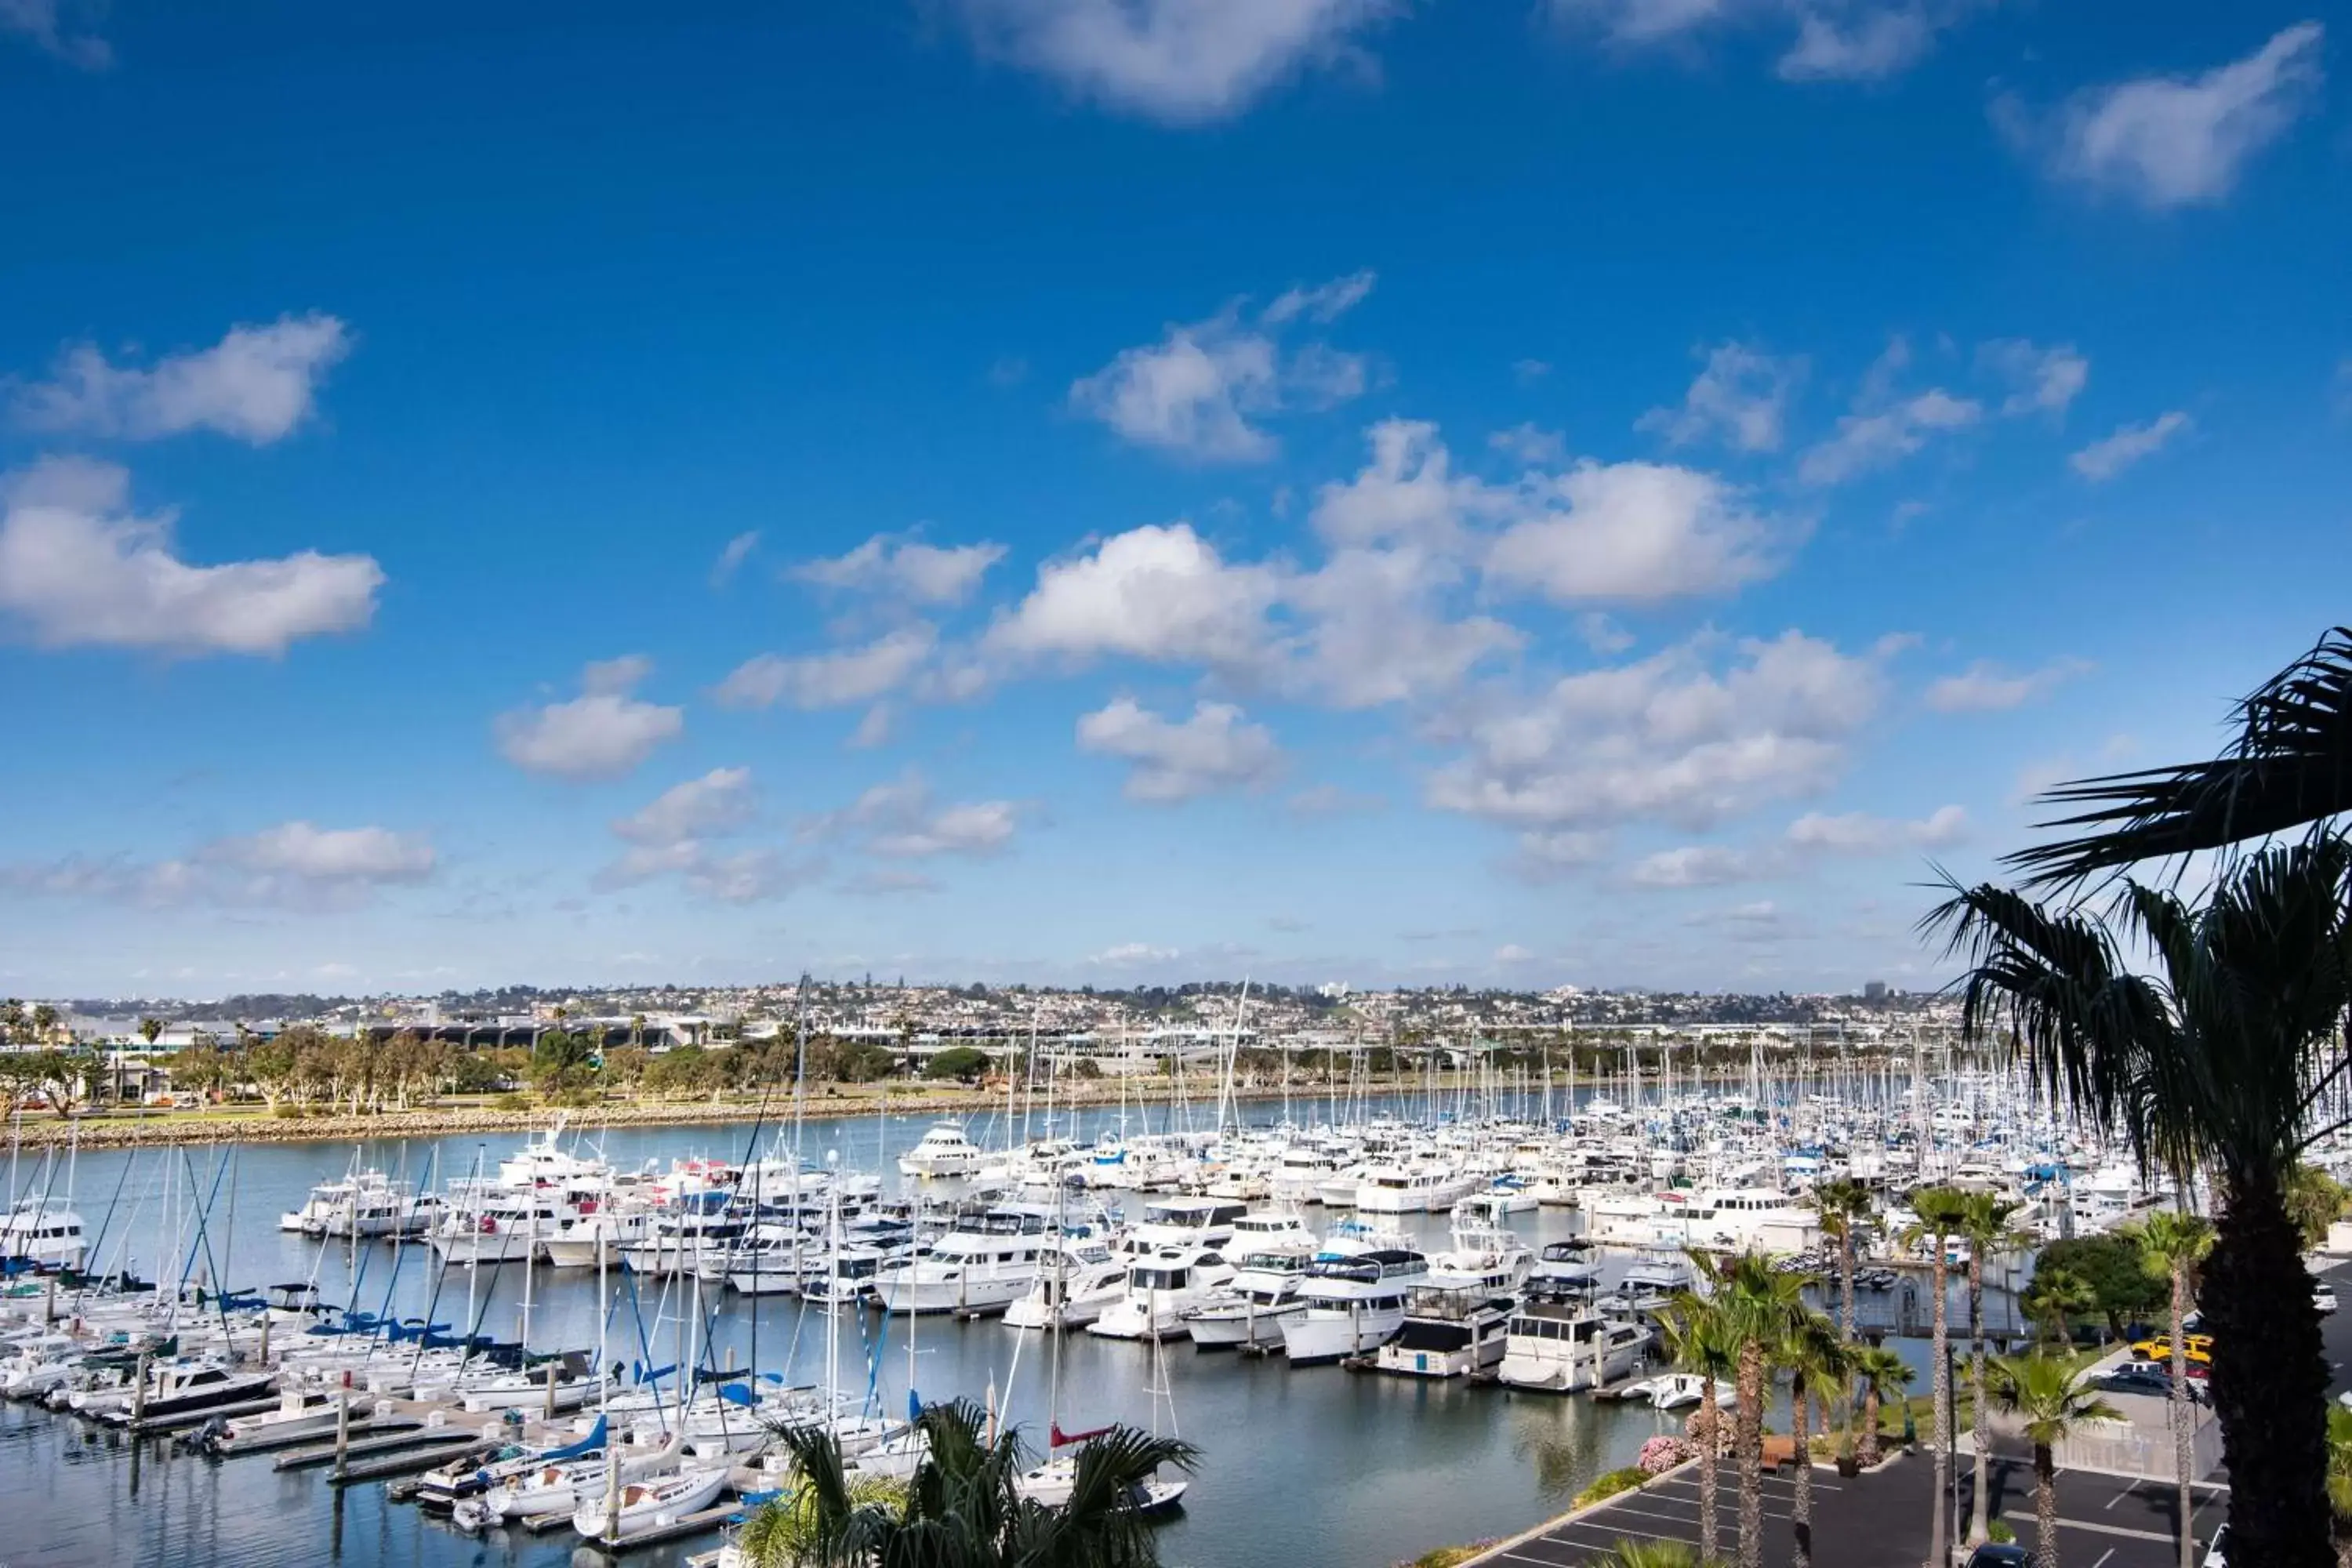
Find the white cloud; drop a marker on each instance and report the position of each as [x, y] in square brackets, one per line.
[671, 836]
[1878, 42]
[1858, 833]
[737, 551]
[1324, 302]
[1181, 61]
[1212, 749]
[874, 729]
[1406, 491]
[835, 679]
[602, 733]
[2103, 459]
[899, 820]
[1669, 738]
[719, 802]
[2175, 141]
[79, 569]
[41, 21]
[256, 384]
[1129, 954]
[294, 865]
[1547, 856]
[1330, 800]
[1632, 533]
[1885, 428]
[907, 568]
[1696, 865]
[1375, 634]
[2047, 380]
[1529, 443]
[1741, 395]
[1985, 687]
[1199, 389]
[1152, 593]
[1510, 954]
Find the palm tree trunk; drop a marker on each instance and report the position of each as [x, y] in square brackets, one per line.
[1800, 1507]
[1940, 1550]
[1845, 1285]
[1710, 1448]
[2269, 1379]
[1749, 1440]
[2182, 1446]
[1870, 1451]
[2045, 1508]
[1979, 1519]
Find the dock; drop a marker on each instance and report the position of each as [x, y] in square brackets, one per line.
[370, 1426]
[416, 1460]
[417, 1435]
[699, 1523]
[149, 1426]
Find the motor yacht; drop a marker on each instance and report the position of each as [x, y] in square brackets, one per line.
[1352, 1304]
[1446, 1333]
[1161, 1287]
[1559, 1345]
[942, 1151]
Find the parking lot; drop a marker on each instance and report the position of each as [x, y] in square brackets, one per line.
[1873, 1521]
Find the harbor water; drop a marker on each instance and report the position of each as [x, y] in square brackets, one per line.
[1317, 1467]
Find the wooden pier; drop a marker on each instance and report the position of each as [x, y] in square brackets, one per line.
[317, 1454]
[416, 1460]
[276, 1442]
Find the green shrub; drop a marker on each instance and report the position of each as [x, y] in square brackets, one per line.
[2001, 1534]
[511, 1102]
[1609, 1485]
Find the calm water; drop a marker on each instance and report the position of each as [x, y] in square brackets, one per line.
[1318, 1468]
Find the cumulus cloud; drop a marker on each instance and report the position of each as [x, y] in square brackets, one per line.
[1632, 533]
[1201, 391]
[294, 865]
[1671, 739]
[672, 835]
[1985, 687]
[1376, 632]
[2103, 459]
[1213, 750]
[2174, 141]
[899, 819]
[44, 23]
[1185, 62]
[2045, 379]
[1885, 426]
[256, 385]
[1740, 398]
[79, 568]
[1859, 833]
[905, 569]
[838, 679]
[1837, 40]
[1152, 593]
[602, 734]
[1130, 954]
[1547, 856]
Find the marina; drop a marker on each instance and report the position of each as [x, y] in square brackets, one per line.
[1507, 1341]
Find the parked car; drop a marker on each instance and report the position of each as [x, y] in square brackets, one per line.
[2323, 1296]
[2198, 1346]
[2217, 1554]
[2148, 1377]
[2000, 1556]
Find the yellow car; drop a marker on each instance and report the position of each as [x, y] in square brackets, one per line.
[2199, 1349]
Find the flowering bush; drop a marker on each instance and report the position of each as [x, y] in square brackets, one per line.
[1661, 1454]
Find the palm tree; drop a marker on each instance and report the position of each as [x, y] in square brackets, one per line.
[2175, 1242]
[788, 1531]
[1811, 1353]
[963, 1506]
[1700, 1339]
[1652, 1554]
[2339, 1479]
[1986, 1227]
[1759, 1302]
[1883, 1375]
[1847, 1214]
[2213, 1058]
[1943, 1213]
[2044, 1393]
[2291, 765]
[2056, 1295]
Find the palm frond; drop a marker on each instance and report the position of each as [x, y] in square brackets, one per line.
[2291, 765]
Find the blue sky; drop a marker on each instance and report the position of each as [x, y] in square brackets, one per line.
[1596, 492]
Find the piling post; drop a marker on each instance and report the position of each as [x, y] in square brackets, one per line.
[49, 1302]
[343, 1428]
[265, 1338]
[551, 1391]
[139, 1390]
[612, 1491]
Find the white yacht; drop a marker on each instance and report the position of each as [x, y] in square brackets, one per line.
[943, 1152]
[367, 1204]
[1486, 1259]
[1186, 1222]
[1446, 1333]
[1160, 1288]
[43, 1234]
[1565, 1267]
[1077, 1280]
[983, 1266]
[1352, 1304]
[1423, 1189]
[597, 1237]
[1652, 1277]
[678, 1242]
[491, 1225]
[1249, 1310]
[1561, 1346]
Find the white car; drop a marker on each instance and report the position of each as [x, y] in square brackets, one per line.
[2216, 1555]
[2323, 1296]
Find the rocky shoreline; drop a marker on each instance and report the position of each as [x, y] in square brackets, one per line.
[108, 1130]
